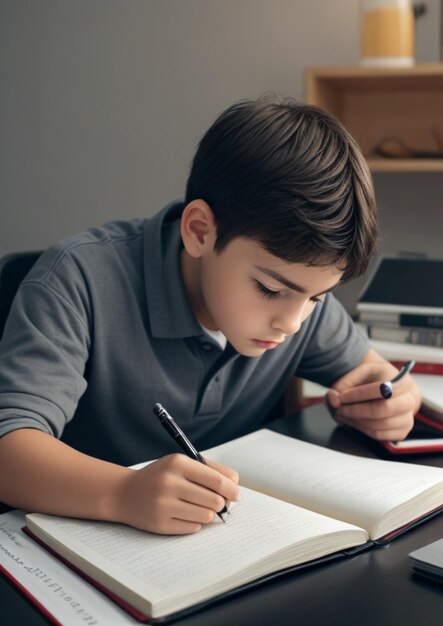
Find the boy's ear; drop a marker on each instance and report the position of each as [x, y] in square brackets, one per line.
[198, 229]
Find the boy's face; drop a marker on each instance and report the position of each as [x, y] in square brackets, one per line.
[253, 297]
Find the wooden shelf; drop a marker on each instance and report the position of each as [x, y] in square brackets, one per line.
[405, 165]
[376, 104]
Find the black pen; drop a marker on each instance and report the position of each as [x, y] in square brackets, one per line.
[175, 431]
[386, 388]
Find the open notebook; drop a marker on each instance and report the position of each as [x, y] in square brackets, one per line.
[300, 504]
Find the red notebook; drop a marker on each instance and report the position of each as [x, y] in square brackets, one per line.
[426, 437]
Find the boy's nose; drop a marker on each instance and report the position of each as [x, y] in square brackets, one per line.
[288, 324]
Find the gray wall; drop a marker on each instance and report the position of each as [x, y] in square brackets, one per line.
[102, 103]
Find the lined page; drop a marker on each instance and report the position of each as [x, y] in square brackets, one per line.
[351, 488]
[159, 566]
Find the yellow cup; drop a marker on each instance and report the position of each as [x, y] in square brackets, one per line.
[387, 33]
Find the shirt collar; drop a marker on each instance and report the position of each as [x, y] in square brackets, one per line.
[170, 313]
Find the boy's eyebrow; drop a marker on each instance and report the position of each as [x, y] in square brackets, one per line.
[289, 283]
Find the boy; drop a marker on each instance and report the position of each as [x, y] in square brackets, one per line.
[209, 308]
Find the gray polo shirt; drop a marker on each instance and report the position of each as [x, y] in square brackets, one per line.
[101, 330]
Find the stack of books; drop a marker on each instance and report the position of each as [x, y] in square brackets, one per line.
[425, 330]
[401, 310]
[403, 301]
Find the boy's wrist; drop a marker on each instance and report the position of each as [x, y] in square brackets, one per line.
[113, 501]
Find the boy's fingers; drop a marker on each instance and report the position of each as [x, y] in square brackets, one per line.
[230, 473]
[370, 391]
[333, 398]
[223, 469]
[213, 479]
[377, 409]
[200, 496]
[189, 512]
[362, 393]
[393, 429]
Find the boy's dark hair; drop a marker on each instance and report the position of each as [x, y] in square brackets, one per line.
[289, 176]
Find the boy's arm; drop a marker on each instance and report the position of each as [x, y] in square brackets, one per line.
[356, 400]
[174, 495]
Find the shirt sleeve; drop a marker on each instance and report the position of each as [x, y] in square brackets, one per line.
[335, 346]
[43, 353]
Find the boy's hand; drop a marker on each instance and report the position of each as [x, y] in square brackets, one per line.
[356, 401]
[176, 495]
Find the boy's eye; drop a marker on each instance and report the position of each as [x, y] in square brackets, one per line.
[265, 292]
[271, 294]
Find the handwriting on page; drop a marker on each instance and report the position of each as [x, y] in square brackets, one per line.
[351, 488]
[307, 467]
[162, 562]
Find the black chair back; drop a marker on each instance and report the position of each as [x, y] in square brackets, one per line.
[13, 269]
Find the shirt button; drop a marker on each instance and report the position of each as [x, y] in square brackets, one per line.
[207, 346]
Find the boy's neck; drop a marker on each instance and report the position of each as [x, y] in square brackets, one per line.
[190, 271]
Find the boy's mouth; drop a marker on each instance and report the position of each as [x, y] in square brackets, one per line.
[267, 345]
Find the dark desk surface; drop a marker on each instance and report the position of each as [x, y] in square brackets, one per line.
[375, 588]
